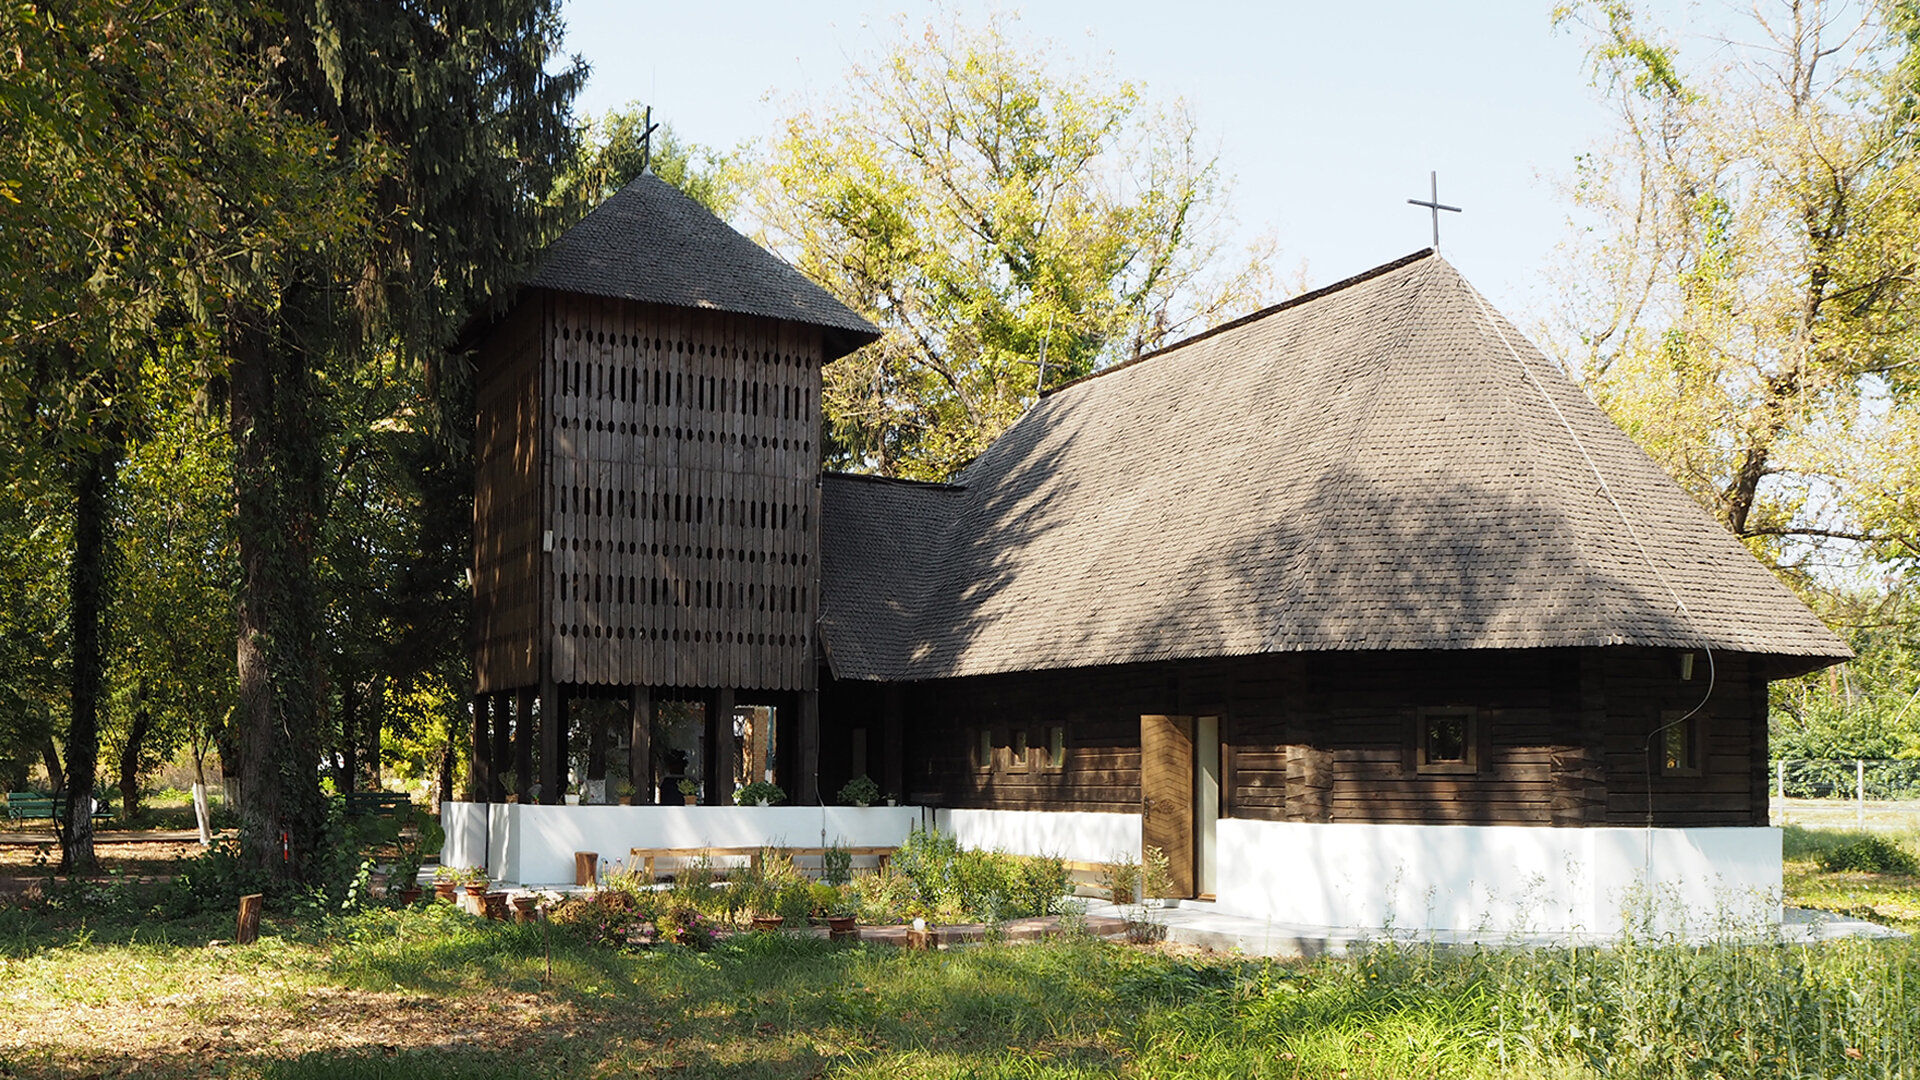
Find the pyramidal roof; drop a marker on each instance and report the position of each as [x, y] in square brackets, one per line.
[1384, 464]
[651, 242]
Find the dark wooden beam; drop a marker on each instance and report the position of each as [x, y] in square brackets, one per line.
[479, 774]
[808, 793]
[523, 736]
[501, 760]
[553, 742]
[640, 745]
[718, 765]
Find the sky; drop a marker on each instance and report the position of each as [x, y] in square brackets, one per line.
[1328, 116]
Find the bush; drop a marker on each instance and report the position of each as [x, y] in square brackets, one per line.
[1870, 854]
[950, 882]
[860, 791]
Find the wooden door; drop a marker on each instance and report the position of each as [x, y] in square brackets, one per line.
[1166, 795]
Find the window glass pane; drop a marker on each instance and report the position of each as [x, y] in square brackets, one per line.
[1057, 739]
[1677, 744]
[1446, 738]
[1019, 747]
[983, 750]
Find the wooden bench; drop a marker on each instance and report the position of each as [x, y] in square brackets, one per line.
[690, 854]
[29, 806]
[379, 803]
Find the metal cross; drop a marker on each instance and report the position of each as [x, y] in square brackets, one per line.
[1434, 204]
[647, 128]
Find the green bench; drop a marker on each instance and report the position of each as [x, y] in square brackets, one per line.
[379, 803]
[31, 806]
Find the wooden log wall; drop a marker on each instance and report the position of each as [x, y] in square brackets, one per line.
[1331, 737]
[507, 515]
[682, 496]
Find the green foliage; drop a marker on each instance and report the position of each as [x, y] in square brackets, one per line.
[984, 202]
[955, 884]
[1869, 854]
[611, 156]
[860, 791]
[760, 791]
[836, 865]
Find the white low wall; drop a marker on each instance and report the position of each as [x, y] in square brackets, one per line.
[1071, 835]
[1500, 879]
[534, 845]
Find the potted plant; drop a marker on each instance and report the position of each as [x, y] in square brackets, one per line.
[416, 835]
[625, 790]
[760, 793]
[445, 880]
[860, 791]
[474, 880]
[510, 783]
[690, 791]
[842, 915]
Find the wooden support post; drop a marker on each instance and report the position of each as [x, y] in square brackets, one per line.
[553, 742]
[249, 928]
[502, 758]
[720, 748]
[523, 735]
[809, 778]
[596, 778]
[478, 771]
[893, 751]
[640, 745]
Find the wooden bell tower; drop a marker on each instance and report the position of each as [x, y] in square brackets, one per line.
[647, 500]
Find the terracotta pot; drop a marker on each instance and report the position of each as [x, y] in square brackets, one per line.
[475, 889]
[443, 890]
[526, 908]
[626, 800]
[496, 906]
[692, 800]
[841, 927]
[410, 897]
[768, 923]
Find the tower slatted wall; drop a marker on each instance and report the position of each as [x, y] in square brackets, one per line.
[685, 512]
[506, 506]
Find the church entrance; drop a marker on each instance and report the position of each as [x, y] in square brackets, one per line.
[1180, 798]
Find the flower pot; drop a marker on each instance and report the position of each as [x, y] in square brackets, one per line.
[443, 891]
[410, 896]
[474, 889]
[691, 800]
[526, 908]
[767, 923]
[841, 927]
[496, 906]
[626, 800]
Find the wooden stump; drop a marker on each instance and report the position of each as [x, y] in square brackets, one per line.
[585, 863]
[249, 929]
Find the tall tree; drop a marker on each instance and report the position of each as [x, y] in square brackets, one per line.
[454, 101]
[1752, 316]
[147, 179]
[987, 206]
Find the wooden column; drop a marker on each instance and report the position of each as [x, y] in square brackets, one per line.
[523, 736]
[893, 768]
[480, 773]
[640, 745]
[718, 766]
[502, 757]
[808, 793]
[553, 742]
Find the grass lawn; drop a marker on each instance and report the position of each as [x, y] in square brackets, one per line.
[97, 981]
[1889, 899]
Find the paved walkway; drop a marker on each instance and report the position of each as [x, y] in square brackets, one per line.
[1198, 923]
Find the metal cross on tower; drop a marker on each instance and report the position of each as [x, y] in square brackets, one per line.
[647, 128]
[1434, 204]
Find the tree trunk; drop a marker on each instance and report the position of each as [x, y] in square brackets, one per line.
[50, 754]
[130, 760]
[276, 487]
[88, 586]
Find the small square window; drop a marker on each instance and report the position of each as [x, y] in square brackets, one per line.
[1447, 741]
[1057, 747]
[1017, 751]
[1678, 744]
[982, 750]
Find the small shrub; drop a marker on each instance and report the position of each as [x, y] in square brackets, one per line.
[760, 791]
[1869, 854]
[1120, 879]
[860, 791]
[836, 865]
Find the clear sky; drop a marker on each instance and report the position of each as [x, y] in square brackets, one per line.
[1328, 115]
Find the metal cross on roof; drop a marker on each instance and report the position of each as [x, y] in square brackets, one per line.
[1434, 204]
[647, 128]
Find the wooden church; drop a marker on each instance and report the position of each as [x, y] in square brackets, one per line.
[1362, 559]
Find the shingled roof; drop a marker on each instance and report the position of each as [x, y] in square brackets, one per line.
[1384, 464]
[653, 243]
